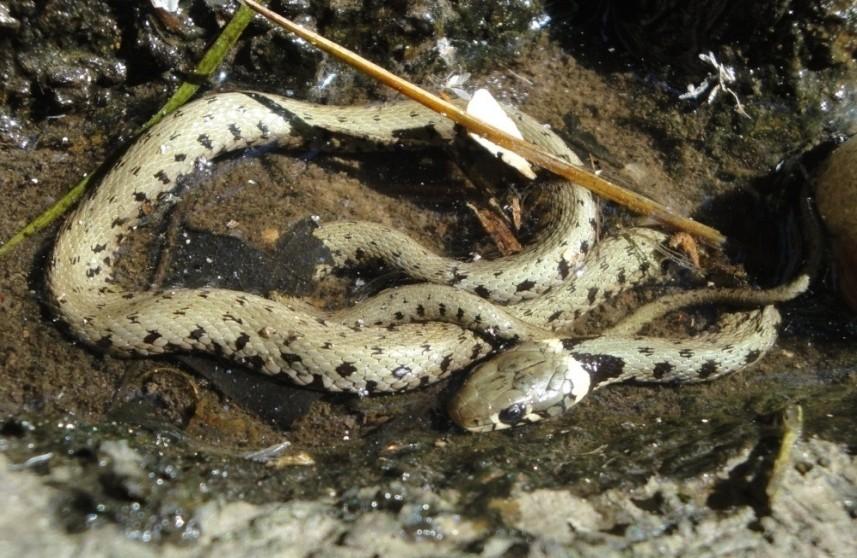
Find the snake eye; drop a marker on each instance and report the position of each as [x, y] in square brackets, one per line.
[512, 414]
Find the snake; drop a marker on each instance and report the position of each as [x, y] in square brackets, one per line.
[406, 337]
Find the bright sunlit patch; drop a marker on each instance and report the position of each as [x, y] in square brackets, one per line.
[484, 107]
[580, 379]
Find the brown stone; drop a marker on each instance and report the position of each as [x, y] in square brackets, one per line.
[836, 194]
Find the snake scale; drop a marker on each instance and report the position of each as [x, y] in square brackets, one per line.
[405, 337]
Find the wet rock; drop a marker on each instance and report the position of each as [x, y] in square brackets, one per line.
[38, 61]
[12, 132]
[414, 38]
[836, 194]
[814, 514]
[68, 77]
[557, 515]
[6, 19]
[794, 93]
[165, 41]
[126, 476]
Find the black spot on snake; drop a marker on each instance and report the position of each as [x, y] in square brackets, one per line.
[235, 131]
[104, 343]
[263, 128]
[98, 248]
[291, 358]
[255, 361]
[752, 356]
[620, 277]
[482, 291]
[457, 277]
[553, 317]
[136, 170]
[662, 369]
[205, 141]
[445, 363]
[327, 345]
[317, 383]
[477, 350]
[92, 272]
[118, 222]
[524, 285]
[371, 386]
[460, 313]
[421, 311]
[601, 367]
[707, 369]
[584, 247]
[563, 268]
[151, 337]
[570, 343]
[648, 351]
[591, 294]
[197, 333]
[399, 316]
[241, 341]
[346, 369]
[230, 318]
[441, 308]
[180, 157]
[162, 177]
[686, 353]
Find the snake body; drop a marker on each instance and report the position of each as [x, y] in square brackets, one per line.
[376, 347]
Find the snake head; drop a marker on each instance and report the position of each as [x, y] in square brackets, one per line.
[525, 384]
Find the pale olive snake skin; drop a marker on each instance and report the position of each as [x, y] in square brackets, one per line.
[347, 352]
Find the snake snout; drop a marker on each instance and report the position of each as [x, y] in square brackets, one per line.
[514, 388]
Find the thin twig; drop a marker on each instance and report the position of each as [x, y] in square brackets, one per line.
[206, 67]
[596, 184]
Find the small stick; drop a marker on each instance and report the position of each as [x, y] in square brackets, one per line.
[596, 184]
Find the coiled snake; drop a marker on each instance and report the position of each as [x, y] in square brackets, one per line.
[373, 347]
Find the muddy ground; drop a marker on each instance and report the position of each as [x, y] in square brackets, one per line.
[145, 448]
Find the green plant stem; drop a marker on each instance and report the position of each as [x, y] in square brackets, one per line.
[204, 69]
